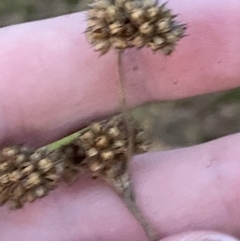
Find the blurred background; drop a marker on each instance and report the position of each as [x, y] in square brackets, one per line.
[169, 124]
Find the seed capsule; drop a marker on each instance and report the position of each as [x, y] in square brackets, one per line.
[152, 13]
[4, 179]
[101, 142]
[15, 176]
[107, 155]
[138, 41]
[4, 166]
[96, 127]
[32, 180]
[92, 152]
[163, 26]
[26, 168]
[146, 29]
[111, 13]
[113, 132]
[41, 191]
[45, 165]
[19, 159]
[138, 16]
[95, 167]
[9, 151]
[115, 28]
[102, 46]
[119, 43]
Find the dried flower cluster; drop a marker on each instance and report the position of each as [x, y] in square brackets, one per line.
[106, 143]
[27, 174]
[131, 23]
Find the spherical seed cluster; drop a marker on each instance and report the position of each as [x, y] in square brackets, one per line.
[26, 175]
[105, 146]
[132, 23]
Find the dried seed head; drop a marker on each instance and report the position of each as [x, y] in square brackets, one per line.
[123, 24]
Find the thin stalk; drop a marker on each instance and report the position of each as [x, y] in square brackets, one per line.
[123, 184]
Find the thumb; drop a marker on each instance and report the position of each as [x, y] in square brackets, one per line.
[200, 236]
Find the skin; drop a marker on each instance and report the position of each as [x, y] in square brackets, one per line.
[53, 83]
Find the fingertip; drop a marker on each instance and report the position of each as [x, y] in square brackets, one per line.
[200, 236]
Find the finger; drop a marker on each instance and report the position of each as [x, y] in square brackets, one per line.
[195, 188]
[52, 82]
[206, 60]
[200, 236]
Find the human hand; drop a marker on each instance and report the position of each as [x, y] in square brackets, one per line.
[52, 83]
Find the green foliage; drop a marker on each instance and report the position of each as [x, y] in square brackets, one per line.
[229, 97]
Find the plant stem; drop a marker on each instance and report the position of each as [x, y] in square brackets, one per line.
[123, 184]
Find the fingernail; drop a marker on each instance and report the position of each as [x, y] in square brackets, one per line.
[205, 236]
[200, 236]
